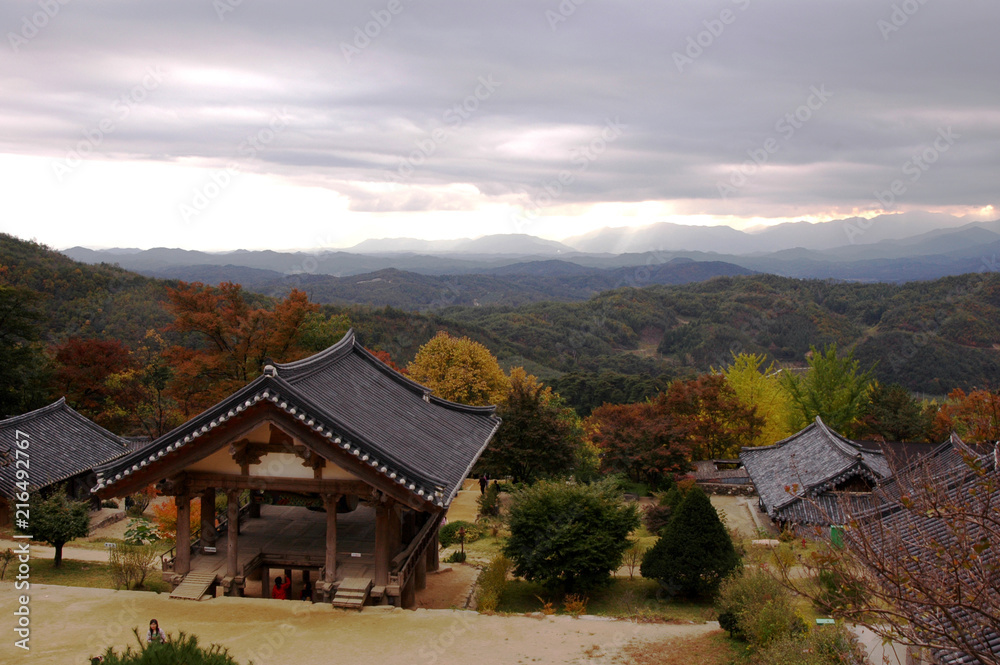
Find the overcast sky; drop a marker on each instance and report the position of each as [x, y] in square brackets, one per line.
[251, 123]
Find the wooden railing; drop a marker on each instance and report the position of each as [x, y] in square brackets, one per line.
[404, 562]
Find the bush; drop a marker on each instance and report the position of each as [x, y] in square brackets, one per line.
[695, 552]
[109, 503]
[141, 532]
[492, 582]
[489, 502]
[456, 557]
[837, 593]
[754, 607]
[826, 645]
[182, 649]
[568, 535]
[136, 504]
[130, 564]
[448, 535]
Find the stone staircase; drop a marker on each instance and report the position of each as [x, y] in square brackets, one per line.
[352, 593]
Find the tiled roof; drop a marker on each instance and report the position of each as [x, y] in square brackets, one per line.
[61, 444]
[805, 466]
[422, 442]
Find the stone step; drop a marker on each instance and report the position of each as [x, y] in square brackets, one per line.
[194, 586]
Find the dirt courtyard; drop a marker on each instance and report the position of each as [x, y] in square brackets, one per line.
[69, 624]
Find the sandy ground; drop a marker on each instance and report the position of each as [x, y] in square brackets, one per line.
[737, 511]
[69, 624]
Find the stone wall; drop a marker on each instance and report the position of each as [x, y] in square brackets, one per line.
[728, 489]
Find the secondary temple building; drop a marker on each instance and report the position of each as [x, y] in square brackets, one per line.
[348, 466]
[49, 447]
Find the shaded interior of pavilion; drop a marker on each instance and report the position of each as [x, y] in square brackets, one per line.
[284, 534]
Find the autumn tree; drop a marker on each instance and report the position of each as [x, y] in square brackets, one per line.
[460, 370]
[757, 386]
[539, 436]
[975, 416]
[140, 401]
[237, 336]
[81, 372]
[643, 440]
[834, 388]
[715, 422]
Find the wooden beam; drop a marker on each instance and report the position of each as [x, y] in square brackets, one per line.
[199, 480]
[182, 563]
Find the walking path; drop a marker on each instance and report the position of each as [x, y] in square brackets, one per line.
[69, 624]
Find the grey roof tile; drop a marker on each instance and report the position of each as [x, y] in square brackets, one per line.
[62, 444]
[806, 465]
[351, 394]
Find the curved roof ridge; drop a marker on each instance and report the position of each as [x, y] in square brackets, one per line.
[417, 387]
[841, 444]
[779, 444]
[54, 406]
[61, 405]
[320, 359]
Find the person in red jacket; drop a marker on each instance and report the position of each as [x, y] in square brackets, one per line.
[280, 590]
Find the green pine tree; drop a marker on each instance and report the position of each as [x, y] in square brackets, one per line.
[695, 552]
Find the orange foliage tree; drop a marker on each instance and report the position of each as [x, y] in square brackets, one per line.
[165, 518]
[975, 416]
[235, 337]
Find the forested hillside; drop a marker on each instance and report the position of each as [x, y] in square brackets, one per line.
[619, 346]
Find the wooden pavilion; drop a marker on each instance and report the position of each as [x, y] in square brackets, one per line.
[336, 433]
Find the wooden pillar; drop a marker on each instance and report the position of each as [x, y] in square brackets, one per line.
[232, 533]
[209, 536]
[383, 542]
[330, 503]
[420, 573]
[265, 582]
[433, 548]
[182, 564]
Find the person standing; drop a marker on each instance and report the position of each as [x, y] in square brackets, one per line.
[279, 591]
[483, 482]
[155, 633]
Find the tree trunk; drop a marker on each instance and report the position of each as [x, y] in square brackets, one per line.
[57, 561]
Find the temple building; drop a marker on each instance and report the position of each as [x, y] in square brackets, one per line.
[61, 446]
[806, 478]
[336, 466]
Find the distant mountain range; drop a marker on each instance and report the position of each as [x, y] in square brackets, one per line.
[519, 267]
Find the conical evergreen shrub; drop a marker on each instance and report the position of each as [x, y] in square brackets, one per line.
[694, 553]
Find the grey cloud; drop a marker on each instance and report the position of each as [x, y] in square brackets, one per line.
[354, 121]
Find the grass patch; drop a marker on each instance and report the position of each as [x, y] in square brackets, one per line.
[92, 574]
[622, 598]
[714, 648]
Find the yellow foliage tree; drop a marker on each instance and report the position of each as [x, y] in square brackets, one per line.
[460, 370]
[761, 388]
